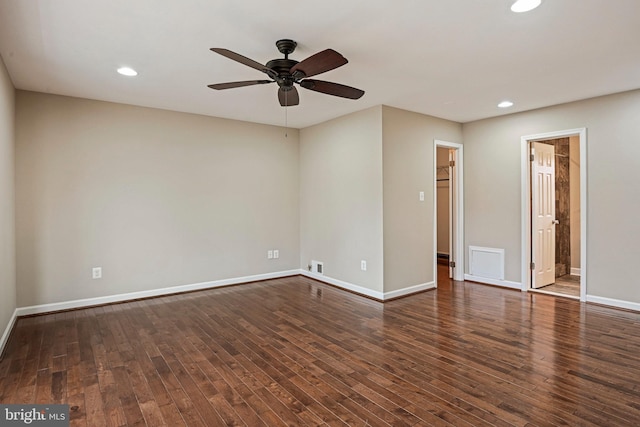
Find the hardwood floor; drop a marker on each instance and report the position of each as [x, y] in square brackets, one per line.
[297, 352]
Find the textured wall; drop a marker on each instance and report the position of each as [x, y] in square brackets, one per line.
[341, 197]
[156, 198]
[408, 169]
[563, 211]
[574, 182]
[7, 201]
[492, 186]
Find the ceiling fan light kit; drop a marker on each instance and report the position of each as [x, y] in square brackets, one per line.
[287, 72]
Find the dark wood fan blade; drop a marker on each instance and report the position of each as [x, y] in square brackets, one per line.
[321, 62]
[331, 88]
[243, 60]
[231, 85]
[288, 98]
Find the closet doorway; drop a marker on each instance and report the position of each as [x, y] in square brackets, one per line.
[448, 209]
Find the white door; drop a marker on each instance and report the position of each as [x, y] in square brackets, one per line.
[543, 208]
[452, 211]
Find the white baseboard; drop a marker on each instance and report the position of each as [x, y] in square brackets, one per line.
[409, 290]
[614, 302]
[575, 271]
[495, 282]
[7, 331]
[80, 303]
[345, 285]
[382, 296]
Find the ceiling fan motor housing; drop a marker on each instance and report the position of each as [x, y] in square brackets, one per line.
[281, 67]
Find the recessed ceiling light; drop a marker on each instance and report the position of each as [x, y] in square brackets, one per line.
[525, 5]
[126, 71]
[505, 104]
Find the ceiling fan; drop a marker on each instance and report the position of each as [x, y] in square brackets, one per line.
[287, 72]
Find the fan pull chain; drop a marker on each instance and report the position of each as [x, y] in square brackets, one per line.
[286, 117]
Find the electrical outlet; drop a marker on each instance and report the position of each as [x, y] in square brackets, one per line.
[96, 273]
[363, 265]
[269, 254]
[276, 253]
[421, 196]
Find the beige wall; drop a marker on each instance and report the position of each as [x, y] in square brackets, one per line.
[341, 197]
[159, 198]
[492, 186]
[408, 141]
[155, 198]
[7, 200]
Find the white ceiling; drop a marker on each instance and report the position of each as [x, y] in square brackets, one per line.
[454, 59]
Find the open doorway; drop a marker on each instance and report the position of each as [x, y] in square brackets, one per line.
[554, 214]
[444, 234]
[448, 211]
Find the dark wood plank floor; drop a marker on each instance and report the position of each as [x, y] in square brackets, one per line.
[297, 352]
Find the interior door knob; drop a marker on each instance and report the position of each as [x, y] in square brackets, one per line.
[555, 221]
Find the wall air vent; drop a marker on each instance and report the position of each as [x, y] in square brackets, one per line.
[317, 267]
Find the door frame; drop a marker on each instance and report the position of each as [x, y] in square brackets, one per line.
[525, 226]
[457, 213]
